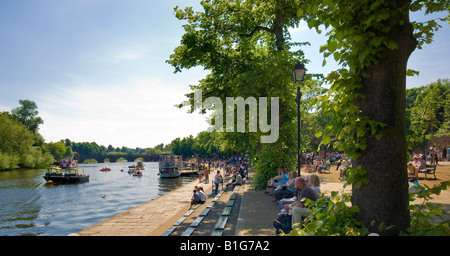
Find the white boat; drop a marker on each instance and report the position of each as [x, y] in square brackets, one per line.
[169, 166]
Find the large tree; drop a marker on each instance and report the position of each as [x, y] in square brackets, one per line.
[27, 115]
[245, 45]
[373, 41]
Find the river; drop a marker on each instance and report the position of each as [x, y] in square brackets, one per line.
[30, 207]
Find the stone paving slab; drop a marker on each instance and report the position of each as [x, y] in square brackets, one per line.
[144, 219]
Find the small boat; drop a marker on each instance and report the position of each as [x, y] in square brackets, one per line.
[139, 166]
[105, 169]
[130, 171]
[137, 173]
[169, 166]
[66, 172]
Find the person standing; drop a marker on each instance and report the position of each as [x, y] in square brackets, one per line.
[216, 182]
[207, 171]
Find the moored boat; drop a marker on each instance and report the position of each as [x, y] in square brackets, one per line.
[66, 172]
[105, 169]
[169, 166]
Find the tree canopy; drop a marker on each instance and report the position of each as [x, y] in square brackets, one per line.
[27, 115]
[247, 48]
[16, 145]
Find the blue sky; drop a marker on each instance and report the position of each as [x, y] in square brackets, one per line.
[96, 68]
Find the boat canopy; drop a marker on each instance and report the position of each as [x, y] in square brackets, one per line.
[71, 171]
[54, 170]
[169, 160]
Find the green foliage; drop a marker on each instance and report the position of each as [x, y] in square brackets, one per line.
[57, 149]
[428, 108]
[266, 164]
[16, 145]
[360, 34]
[427, 219]
[355, 176]
[245, 45]
[337, 217]
[331, 217]
[92, 161]
[121, 159]
[88, 148]
[27, 115]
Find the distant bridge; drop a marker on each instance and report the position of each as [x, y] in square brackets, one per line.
[113, 158]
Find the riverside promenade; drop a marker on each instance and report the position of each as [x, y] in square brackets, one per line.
[246, 211]
[243, 211]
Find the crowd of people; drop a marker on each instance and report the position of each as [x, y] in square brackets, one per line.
[418, 164]
[235, 170]
[437, 154]
[291, 194]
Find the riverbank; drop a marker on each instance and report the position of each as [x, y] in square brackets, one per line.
[146, 219]
[252, 213]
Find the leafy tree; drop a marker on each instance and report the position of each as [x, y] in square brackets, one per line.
[69, 152]
[429, 108]
[245, 45]
[57, 149]
[27, 115]
[110, 148]
[372, 40]
[150, 151]
[16, 145]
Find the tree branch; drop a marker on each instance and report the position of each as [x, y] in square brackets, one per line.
[258, 28]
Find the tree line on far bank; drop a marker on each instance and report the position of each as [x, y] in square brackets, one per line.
[21, 145]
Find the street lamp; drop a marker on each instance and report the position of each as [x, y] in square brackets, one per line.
[298, 74]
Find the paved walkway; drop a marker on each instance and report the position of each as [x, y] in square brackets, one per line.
[148, 218]
[240, 212]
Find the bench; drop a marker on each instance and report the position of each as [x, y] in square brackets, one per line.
[221, 223]
[217, 233]
[178, 223]
[169, 231]
[230, 203]
[431, 169]
[188, 232]
[197, 221]
[326, 169]
[227, 211]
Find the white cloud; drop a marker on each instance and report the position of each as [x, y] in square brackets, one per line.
[4, 108]
[128, 56]
[139, 114]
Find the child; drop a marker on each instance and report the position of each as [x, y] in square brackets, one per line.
[195, 199]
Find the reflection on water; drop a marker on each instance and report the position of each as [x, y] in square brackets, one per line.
[30, 207]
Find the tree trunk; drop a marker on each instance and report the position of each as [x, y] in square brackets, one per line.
[385, 198]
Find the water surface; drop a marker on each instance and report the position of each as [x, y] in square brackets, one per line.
[30, 207]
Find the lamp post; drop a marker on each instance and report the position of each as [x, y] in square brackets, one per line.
[298, 74]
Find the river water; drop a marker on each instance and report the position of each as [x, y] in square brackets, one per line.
[30, 207]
